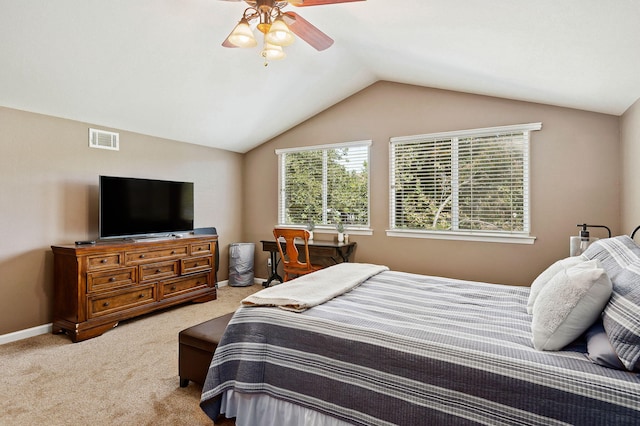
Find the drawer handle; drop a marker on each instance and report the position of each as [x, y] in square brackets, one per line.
[158, 271]
[103, 261]
[199, 248]
[195, 264]
[140, 296]
[112, 279]
[173, 287]
[197, 282]
[105, 304]
[142, 256]
[173, 252]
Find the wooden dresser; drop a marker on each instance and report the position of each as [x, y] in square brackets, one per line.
[98, 285]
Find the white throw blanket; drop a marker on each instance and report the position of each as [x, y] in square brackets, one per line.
[313, 289]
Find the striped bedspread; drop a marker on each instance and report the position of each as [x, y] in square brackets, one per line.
[417, 350]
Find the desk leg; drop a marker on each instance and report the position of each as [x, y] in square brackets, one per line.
[274, 270]
[346, 255]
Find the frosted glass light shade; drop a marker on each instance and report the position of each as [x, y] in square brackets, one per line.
[279, 34]
[242, 36]
[272, 52]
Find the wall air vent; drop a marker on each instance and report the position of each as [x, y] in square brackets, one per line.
[103, 139]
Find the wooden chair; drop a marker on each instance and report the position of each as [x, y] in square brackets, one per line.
[290, 256]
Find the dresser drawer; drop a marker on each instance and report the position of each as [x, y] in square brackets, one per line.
[111, 279]
[203, 248]
[196, 264]
[103, 261]
[114, 302]
[136, 257]
[156, 271]
[175, 288]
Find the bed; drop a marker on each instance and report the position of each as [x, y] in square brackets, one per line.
[408, 349]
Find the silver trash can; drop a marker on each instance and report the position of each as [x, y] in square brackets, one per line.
[241, 264]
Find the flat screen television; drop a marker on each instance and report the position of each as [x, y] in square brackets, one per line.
[134, 207]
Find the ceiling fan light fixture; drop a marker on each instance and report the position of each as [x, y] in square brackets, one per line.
[278, 29]
[242, 36]
[279, 33]
[272, 52]
[263, 27]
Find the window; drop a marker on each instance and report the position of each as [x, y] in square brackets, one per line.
[471, 184]
[325, 184]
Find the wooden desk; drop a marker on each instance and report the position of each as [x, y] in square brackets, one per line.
[333, 252]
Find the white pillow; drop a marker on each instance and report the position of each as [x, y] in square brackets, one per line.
[547, 274]
[569, 304]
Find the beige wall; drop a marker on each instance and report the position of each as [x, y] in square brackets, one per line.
[49, 181]
[575, 160]
[630, 157]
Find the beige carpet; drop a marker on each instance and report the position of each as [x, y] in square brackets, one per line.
[127, 376]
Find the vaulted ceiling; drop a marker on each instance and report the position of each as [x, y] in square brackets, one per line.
[157, 67]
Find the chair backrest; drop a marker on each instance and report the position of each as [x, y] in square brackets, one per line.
[291, 258]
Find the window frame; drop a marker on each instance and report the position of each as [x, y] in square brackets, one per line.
[523, 237]
[321, 228]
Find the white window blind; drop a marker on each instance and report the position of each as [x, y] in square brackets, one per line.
[325, 184]
[473, 181]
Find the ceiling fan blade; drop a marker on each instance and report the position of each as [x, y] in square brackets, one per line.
[303, 29]
[301, 3]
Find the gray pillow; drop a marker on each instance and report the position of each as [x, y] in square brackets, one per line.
[621, 317]
[599, 347]
[615, 254]
[620, 257]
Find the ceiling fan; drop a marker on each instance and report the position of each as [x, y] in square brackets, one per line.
[278, 27]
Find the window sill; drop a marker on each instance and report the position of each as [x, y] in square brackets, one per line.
[355, 231]
[462, 236]
[331, 230]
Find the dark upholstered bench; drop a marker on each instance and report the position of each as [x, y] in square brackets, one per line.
[196, 346]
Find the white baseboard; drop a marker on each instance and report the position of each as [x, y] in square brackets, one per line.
[23, 334]
[256, 280]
